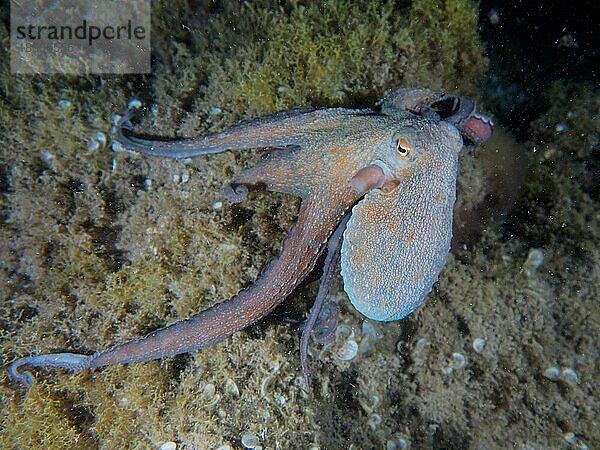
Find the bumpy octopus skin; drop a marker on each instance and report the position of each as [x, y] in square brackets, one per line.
[392, 170]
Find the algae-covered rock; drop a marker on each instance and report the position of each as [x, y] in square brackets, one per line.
[99, 247]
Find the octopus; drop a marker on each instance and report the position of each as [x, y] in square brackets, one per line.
[377, 189]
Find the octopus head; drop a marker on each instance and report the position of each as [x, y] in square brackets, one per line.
[423, 145]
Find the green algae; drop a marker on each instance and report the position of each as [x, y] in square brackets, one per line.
[98, 257]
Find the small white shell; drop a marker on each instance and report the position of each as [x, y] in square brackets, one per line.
[116, 147]
[251, 441]
[535, 258]
[459, 360]
[63, 103]
[168, 446]
[552, 373]
[101, 138]
[134, 103]
[570, 437]
[478, 345]
[93, 145]
[280, 399]
[570, 376]
[421, 344]
[447, 370]
[561, 127]
[231, 388]
[348, 350]
[209, 390]
[48, 159]
[397, 444]
[371, 331]
[374, 422]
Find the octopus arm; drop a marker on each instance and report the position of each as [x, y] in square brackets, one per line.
[282, 129]
[317, 219]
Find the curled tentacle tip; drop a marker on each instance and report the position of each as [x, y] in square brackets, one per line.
[25, 378]
[306, 386]
[235, 194]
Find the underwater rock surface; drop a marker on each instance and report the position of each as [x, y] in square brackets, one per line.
[98, 247]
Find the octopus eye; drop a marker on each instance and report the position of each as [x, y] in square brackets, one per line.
[403, 147]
